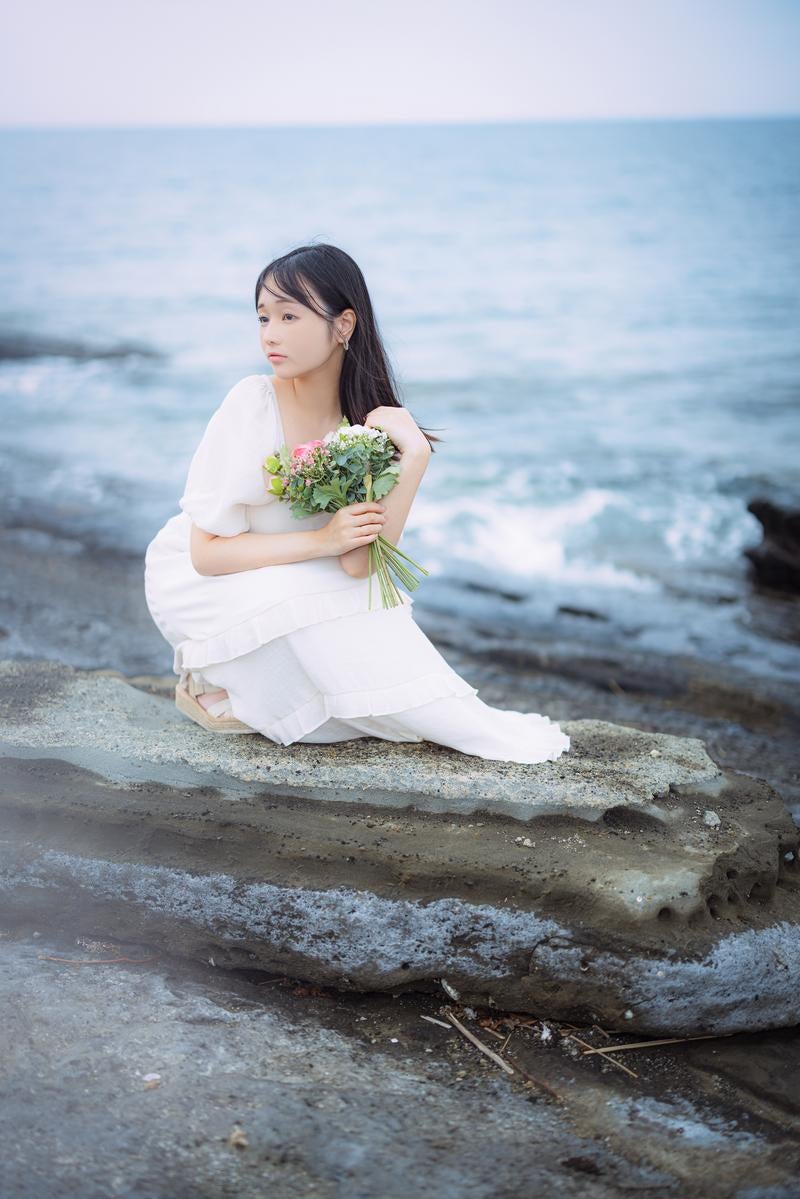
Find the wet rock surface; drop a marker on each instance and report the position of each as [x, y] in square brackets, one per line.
[776, 560]
[633, 883]
[157, 1076]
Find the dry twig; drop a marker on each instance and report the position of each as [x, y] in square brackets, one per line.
[488, 1024]
[441, 1023]
[664, 1041]
[602, 1032]
[603, 1052]
[479, 1044]
[537, 1082]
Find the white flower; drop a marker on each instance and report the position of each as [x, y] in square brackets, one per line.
[348, 432]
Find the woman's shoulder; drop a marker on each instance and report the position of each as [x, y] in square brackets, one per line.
[247, 398]
[249, 395]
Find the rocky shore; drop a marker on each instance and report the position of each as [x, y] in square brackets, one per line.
[314, 903]
[633, 883]
[132, 1071]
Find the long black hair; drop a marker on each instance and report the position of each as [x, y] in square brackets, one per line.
[367, 380]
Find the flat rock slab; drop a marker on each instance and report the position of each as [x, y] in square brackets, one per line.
[633, 882]
[99, 721]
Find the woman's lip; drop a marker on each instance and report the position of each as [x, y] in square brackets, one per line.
[270, 356]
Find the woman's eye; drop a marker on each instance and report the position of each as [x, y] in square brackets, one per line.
[262, 319]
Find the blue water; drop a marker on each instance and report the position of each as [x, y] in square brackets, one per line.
[601, 319]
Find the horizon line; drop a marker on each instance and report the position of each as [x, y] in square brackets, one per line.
[488, 121]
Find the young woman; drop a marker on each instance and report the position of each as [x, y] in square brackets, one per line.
[268, 613]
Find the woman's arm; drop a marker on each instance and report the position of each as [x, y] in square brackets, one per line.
[213, 555]
[397, 502]
[218, 555]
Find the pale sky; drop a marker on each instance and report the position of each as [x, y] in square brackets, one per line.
[255, 62]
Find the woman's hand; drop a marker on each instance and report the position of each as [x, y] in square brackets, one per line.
[401, 427]
[351, 527]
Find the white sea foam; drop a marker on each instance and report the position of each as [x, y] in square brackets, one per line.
[524, 540]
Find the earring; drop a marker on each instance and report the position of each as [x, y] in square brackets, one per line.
[345, 343]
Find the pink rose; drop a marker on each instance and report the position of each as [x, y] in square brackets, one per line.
[300, 451]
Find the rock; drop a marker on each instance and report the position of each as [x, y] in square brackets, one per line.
[776, 561]
[358, 1098]
[378, 865]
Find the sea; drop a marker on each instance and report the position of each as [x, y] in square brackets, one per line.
[600, 319]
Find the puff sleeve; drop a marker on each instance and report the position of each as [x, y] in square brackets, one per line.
[224, 473]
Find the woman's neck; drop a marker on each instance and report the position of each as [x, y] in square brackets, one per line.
[304, 414]
[314, 400]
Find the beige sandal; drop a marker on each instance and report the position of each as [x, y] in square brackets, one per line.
[191, 707]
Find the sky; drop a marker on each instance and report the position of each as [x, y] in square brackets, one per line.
[336, 62]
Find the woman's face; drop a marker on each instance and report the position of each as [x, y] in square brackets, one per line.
[289, 328]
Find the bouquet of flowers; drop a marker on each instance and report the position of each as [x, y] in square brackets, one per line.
[352, 465]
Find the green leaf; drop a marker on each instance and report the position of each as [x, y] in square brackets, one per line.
[323, 497]
[385, 482]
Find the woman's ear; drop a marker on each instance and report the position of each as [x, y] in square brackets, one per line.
[346, 323]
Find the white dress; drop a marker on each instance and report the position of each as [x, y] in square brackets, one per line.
[295, 645]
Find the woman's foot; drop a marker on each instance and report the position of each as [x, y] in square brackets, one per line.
[196, 707]
[207, 698]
